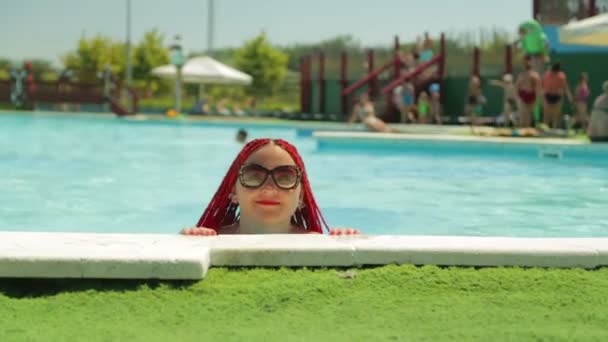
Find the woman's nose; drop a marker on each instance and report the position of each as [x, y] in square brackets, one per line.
[269, 185]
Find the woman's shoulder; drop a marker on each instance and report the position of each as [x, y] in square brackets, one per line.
[601, 102]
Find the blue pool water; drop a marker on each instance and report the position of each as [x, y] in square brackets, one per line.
[103, 174]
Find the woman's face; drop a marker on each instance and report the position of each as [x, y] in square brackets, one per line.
[268, 204]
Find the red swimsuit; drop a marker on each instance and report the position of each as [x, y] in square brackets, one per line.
[527, 96]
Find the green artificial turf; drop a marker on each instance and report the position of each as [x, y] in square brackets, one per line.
[403, 303]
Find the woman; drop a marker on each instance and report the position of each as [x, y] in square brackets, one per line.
[265, 191]
[555, 84]
[528, 85]
[598, 127]
[581, 119]
[364, 111]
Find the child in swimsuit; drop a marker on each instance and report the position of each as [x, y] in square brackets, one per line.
[581, 119]
[509, 98]
[436, 110]
[528, 84]
[474, 100]
[403, 96]
[423, 107]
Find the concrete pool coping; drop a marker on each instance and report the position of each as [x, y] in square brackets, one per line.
[167, 256]
[369, 136]
[251, 122]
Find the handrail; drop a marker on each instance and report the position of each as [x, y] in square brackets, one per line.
[368, 77]
[422, 67]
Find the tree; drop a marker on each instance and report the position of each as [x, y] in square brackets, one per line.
[42, 68]
[92, 56]
[264, 63]
[5, 66]
[6, 63]
[331, 47]
[148, 54]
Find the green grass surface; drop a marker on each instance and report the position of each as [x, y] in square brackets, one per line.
[387, 303]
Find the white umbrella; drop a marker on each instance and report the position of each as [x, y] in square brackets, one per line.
[591, 31]
[205, 70]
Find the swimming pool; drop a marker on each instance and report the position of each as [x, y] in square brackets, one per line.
[103, 174]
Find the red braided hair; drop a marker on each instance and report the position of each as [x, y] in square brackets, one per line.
[222, 212]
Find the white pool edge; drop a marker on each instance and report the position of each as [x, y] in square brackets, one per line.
[369, 136]
[162, 256]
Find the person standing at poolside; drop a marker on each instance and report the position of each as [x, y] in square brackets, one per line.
[474, 101]
[509, 104]
[528, 85]
[436, 109]
[534, 43]
[582, 92]
[426, 48]
[598, 126]
[555, 84]
[403, 98]
[424, 107]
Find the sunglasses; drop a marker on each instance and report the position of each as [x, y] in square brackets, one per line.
[286, 177]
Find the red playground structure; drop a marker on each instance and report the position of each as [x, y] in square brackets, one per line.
[25, 92]
[424, 74]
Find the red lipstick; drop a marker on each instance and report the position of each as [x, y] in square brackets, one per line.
[268, 202]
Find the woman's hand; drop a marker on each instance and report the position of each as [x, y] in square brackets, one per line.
[344, 231]
[198, 231]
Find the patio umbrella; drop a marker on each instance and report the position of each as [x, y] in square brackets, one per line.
[592, 31]
[204, 70]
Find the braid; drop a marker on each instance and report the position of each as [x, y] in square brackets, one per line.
[221, 211]
[309, 217]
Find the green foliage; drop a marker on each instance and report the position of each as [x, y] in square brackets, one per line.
[404, 303]
[43, 69]
[149, 53]
[92, 55]
[6, 64]
[267, 64]
[492, 43]
[331, 47]
[165, 102]
[218, 92]
[264, 63]
[225, 55]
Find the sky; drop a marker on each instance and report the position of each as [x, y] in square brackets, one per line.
[47, 29]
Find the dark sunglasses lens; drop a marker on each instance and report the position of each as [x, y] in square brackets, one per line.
[286, 177]
[253, 175]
